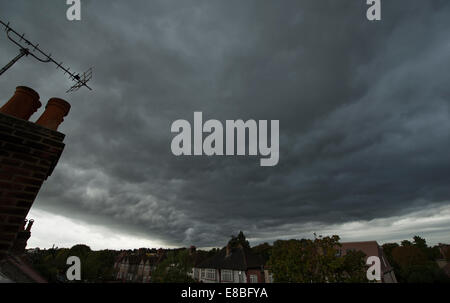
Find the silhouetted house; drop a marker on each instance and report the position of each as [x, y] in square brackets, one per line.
[371, 248]
[28, 154]
[127, 268]
[17, 269]
[231, 265]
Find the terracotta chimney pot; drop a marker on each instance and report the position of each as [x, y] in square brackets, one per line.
[23, 104]
[24, 224]
[54, 113]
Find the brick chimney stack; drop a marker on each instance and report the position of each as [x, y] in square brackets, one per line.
[28, 154]
[30, 224]
[20, 243]
[228, 251]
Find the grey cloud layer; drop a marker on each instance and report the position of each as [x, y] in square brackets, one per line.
[363, 110]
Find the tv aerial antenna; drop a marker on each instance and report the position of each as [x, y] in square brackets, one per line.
[28, 48]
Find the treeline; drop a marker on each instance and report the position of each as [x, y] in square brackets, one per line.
[315, 260]
[96, 266]
[290, 261]
[415, 262]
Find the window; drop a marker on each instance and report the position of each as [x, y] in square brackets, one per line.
[211, 274]
[226, 275]
[202, 273]
[253, 279]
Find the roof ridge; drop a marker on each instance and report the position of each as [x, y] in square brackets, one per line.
[360, 242]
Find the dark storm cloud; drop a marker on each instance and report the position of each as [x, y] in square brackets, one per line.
[363, 110]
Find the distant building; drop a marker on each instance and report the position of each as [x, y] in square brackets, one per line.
[443, 261]
[137, 267]
[231, 265]
[444, 249]
[371, 248]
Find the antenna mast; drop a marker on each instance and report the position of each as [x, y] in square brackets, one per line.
[28, 48]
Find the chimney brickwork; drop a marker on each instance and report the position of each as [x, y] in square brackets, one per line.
[28, 155]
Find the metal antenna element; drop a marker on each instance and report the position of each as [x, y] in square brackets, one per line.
[28, 48]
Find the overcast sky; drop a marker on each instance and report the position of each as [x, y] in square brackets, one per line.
[363, 110]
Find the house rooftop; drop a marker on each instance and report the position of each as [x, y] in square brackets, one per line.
[370, 248]
[18, 269]
[238, 258]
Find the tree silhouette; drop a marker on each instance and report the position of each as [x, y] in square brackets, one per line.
[239, 240]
